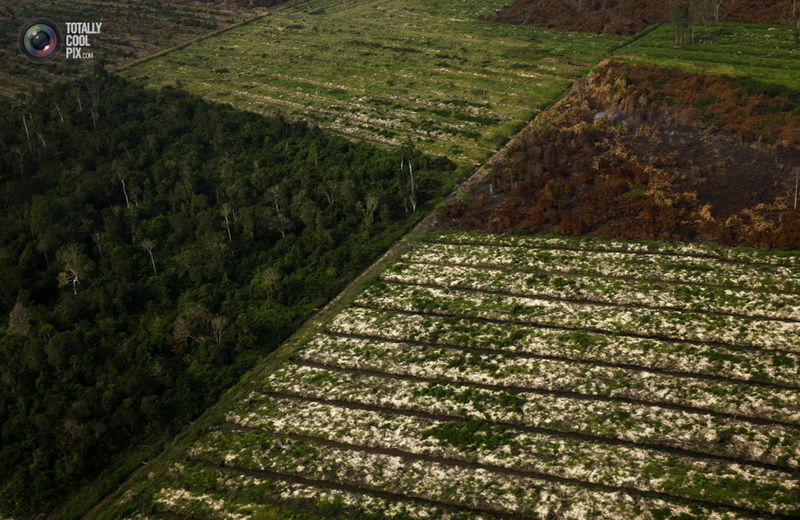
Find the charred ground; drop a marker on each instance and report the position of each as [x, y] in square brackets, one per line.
[642, 152]
[627, 16]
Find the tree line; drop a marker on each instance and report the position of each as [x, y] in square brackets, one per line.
[690, 17]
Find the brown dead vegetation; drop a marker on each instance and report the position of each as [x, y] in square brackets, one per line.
[245, 3]
[629, 16]
[716, 102]
[612, 160]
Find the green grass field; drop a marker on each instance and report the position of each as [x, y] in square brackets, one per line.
[502, 377]
[765, 53]
[387, 71]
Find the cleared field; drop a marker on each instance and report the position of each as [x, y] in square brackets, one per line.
[387, 71]
[763, 52]
[508, 377]
[131, 29]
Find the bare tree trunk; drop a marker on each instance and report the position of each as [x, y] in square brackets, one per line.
[93, 88]
[148, 246]
[225, 212]
[99, 241]
[413, 196]
[228, 229]
[124, 191]
[27, 133]
[796, 14]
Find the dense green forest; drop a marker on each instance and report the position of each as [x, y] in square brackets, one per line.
[154, 246]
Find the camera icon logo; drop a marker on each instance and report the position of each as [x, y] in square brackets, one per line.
[40, 40]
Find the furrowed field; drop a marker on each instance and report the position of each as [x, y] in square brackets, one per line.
[494, 376]
[131, 29]
[762, 52]
[387, 71]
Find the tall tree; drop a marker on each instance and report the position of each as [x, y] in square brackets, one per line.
[148, 246]
[75, 266]
[681, 16]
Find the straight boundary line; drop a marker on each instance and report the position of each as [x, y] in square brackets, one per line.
[316, 322]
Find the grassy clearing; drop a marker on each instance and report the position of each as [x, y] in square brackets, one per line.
[428, 72]
[761, 52]
[407, 405]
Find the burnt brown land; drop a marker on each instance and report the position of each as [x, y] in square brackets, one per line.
[644, 153]
[131, 29]
[629, 16]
